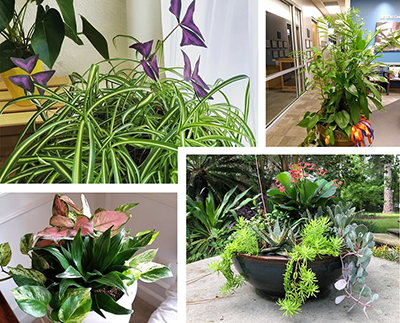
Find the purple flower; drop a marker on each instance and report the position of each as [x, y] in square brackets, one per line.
[191, 34]
[149, 61]
[26, 81]
[198, 84]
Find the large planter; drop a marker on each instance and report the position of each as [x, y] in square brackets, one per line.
[16, 91]
[341, 139]
[265, 273]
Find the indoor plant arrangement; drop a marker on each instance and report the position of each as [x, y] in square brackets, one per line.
[125, 125]
[291, 260]
[341, 73]
[83, 262]
[46, 35]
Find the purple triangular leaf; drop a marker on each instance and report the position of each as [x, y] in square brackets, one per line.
[42, 78]
[23, 81]
[147, 69]
[196, 77]
[188, 22]
[187, 68]
[175, 8]
[190, 38]
[153, 64]
[27, 64]
[200, 92]
[143, 48]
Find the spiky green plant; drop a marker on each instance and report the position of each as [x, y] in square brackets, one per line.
[121, 127]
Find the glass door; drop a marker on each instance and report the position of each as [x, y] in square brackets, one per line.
[283, 36]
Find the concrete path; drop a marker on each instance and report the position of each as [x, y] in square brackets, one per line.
[246, 306]
[388, 239]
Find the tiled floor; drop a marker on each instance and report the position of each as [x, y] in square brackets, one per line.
[286, 133]
[141, 311]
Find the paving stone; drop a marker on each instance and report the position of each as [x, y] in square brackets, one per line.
[388, 239]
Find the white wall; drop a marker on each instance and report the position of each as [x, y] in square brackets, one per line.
[22, 213]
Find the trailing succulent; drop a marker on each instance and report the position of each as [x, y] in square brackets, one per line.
[300, 281]
[81, 263]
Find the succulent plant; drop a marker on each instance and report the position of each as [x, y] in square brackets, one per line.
[278, 238]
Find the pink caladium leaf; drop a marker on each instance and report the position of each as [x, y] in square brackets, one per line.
[59, 206]
[340, 284]
[84, 223]
[45, 242]
[61, 221]
[106, 218]
[71, 203]
[53, 233]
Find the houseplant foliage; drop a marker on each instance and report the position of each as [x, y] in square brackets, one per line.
[323, 232]
[46, 35]
[125, 125]
[83, 262]
[341, 74]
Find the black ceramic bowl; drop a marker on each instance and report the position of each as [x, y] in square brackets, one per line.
[265, 273]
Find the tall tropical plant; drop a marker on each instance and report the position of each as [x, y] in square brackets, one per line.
[341, 74]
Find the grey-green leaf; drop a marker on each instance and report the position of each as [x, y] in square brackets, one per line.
[33, 300]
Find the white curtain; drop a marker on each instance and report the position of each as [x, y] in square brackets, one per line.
[230, 30]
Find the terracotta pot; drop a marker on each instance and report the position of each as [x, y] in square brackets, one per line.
[265, 273]
[16, 91]
[341, 139]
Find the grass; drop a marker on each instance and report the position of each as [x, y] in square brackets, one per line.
[382, 221]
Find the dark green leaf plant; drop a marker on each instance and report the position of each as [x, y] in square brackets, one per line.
[78, 270]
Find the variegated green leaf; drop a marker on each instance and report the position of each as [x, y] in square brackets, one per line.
[5, 254]
[26, 243]
[27, 276]
[151, 272]
[33, 300]
[144, 257]
[76, 307]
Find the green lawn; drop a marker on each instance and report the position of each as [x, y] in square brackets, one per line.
[382, 222]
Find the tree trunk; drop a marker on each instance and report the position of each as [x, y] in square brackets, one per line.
[387, 191]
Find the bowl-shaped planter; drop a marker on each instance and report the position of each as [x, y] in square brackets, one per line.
[265, 273]
[341, 139]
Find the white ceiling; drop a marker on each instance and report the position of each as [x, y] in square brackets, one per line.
[319, 4]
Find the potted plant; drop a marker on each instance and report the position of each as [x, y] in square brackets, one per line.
[43, 38]
[289, 260]
[84, 265]
[125, 125]
[341, 73]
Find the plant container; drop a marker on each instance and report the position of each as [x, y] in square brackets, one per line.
[265, 273]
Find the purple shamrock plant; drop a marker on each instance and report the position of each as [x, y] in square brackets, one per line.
[198, 84]
[149, 61]
[191, 35]
[26, 81]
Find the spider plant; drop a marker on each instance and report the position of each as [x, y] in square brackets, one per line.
[120, 127]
